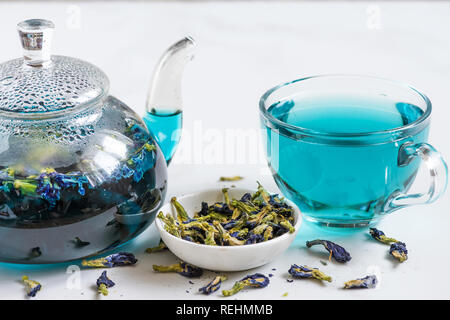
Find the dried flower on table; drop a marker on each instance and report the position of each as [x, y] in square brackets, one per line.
[256, 280]
[113, 260]
[182, 268]
[235, 178]
[213, 286]
[368, 282]
[32, 286]
[305, 272]
[380, 236]
[160, 247]
[335, 250]
[103, 283]
[398, 251]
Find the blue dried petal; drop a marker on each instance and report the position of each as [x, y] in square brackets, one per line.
[114, 260]
[256, 280]
[254, 238]
[398, 250]
[246, 197]
[335, 250]
[141, 162]
[213, 286]
[300, 272]
[189, 221]
[368, 282]
[223, 208]
[380, 236]
[182, 268]
[127, 172]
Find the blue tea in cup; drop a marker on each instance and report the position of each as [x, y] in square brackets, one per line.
[347, 149]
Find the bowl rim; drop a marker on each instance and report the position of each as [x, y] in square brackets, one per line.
[297, 215]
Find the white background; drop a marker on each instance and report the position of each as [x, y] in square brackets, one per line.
[243, 50]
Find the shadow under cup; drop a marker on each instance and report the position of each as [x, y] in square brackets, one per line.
[347, 149]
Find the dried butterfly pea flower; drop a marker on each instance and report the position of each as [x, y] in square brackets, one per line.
[234, 178]
[210, 234]
[246, 207]
[50, 184]
[305, 272]
[226, 236]
[287, 225]
[213, 286]
[169, 224]
[160, 247]
[221, 207]
[240, 223]
[113, 260]
[254, 238]
[398, 251]
[268, 233]
[380, 236]
[256, 280]
[335, 250]
[103, 283]
[276, 202]
[182, 268]
[368, 282]
[26, 188]
[233, 222]
[32, 286]
[34, 253]
[246, 197]
[204, 210]
[226, 197]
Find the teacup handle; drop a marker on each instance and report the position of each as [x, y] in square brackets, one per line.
[437, 169]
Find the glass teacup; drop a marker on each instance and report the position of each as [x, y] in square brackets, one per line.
[347, 149]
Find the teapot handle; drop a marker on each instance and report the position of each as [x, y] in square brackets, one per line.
[438, 175]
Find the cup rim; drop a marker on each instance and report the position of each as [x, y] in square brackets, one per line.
[284, 237]
[311, 132]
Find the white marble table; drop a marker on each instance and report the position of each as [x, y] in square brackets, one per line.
[244, 49]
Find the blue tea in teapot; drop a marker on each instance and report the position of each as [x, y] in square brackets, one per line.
[80, 172]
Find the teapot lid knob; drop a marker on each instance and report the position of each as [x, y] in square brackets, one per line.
[36, 36]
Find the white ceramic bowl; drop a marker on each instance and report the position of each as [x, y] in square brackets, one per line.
[224, 258]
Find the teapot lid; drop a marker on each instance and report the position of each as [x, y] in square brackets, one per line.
[39, 83]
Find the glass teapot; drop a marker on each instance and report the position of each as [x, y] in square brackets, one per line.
[80, 173]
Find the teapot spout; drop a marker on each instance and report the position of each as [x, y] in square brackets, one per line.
[164, 104]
